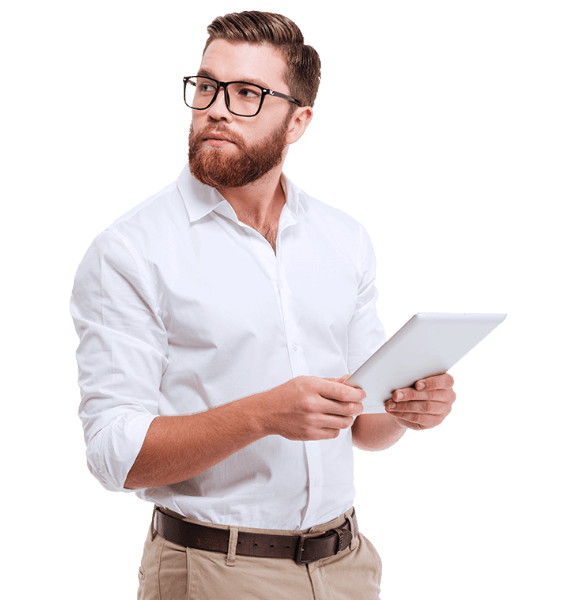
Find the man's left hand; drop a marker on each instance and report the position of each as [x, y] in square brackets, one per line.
[425, 405]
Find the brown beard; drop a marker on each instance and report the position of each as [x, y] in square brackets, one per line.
[220, 169]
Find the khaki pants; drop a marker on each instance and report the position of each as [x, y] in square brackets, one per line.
[172, 572]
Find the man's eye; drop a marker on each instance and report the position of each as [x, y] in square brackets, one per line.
[206, 88]
[248, 93]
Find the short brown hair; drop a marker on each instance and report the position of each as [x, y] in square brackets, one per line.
[255, 27]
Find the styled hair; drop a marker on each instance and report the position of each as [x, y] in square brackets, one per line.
[303, 63]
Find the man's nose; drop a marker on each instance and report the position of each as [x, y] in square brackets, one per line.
[218, 111]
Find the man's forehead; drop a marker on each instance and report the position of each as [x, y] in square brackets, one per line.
[241, 61]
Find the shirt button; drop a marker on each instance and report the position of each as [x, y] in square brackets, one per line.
[295, 347]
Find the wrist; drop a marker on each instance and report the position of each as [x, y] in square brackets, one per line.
[255, 407]
[398, 425]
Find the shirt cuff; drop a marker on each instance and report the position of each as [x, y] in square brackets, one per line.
[113, 450]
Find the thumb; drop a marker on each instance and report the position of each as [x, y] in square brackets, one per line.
[340, 380]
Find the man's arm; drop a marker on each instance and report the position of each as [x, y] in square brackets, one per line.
[376, 432]
[177, 448]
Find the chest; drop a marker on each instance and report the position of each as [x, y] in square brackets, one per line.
[267, 230]
[233, 290]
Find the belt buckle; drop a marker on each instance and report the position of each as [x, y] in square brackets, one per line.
[300, 547]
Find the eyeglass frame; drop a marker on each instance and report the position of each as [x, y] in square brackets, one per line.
[223, 84]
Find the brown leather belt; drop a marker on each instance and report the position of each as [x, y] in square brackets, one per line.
[305, 548]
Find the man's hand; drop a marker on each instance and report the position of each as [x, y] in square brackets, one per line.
[425, 405]
[310, 408]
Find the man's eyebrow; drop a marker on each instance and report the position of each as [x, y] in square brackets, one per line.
[255, 81]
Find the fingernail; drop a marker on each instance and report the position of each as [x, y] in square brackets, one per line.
[420, 385]
[391, 405]
[398, 395]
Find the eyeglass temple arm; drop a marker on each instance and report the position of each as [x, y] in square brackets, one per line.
[280, 95]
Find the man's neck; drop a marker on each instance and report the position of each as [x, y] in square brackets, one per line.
[258, 204]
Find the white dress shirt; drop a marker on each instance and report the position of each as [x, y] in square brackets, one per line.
[180, 307]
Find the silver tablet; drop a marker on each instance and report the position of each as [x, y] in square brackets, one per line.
[429, 344]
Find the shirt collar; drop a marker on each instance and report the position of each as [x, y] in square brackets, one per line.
[201, 199]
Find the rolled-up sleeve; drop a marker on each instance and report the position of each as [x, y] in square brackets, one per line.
[365, 331]
[121, 355]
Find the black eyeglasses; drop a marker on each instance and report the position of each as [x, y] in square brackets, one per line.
[241, 98]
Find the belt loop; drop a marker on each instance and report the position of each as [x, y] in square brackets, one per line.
[354, 542]
[230, 560]
[153, 530]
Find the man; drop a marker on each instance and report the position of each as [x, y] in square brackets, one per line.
[214, 320]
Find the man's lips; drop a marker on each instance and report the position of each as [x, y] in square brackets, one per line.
[218, 137]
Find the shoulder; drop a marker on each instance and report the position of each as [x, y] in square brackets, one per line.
[334, 224]
[152, 216]
[149, 226]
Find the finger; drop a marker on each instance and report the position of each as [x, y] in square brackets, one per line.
[338, 391]
[403, 394]
[437, 395]
[342, 409]
[335, 422]
[420, 421]
[421, 407]
[436, 382]
[410, 419]
[412, 425]
[339, 379]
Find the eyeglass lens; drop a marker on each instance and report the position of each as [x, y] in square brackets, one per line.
[244, 98]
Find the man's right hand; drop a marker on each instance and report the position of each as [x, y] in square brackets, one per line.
[310, 408]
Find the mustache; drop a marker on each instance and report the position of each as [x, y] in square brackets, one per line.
[221, 129]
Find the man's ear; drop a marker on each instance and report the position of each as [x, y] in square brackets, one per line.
[299, 121]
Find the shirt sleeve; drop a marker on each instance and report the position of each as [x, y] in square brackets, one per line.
[365, 331]
[121, 356]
